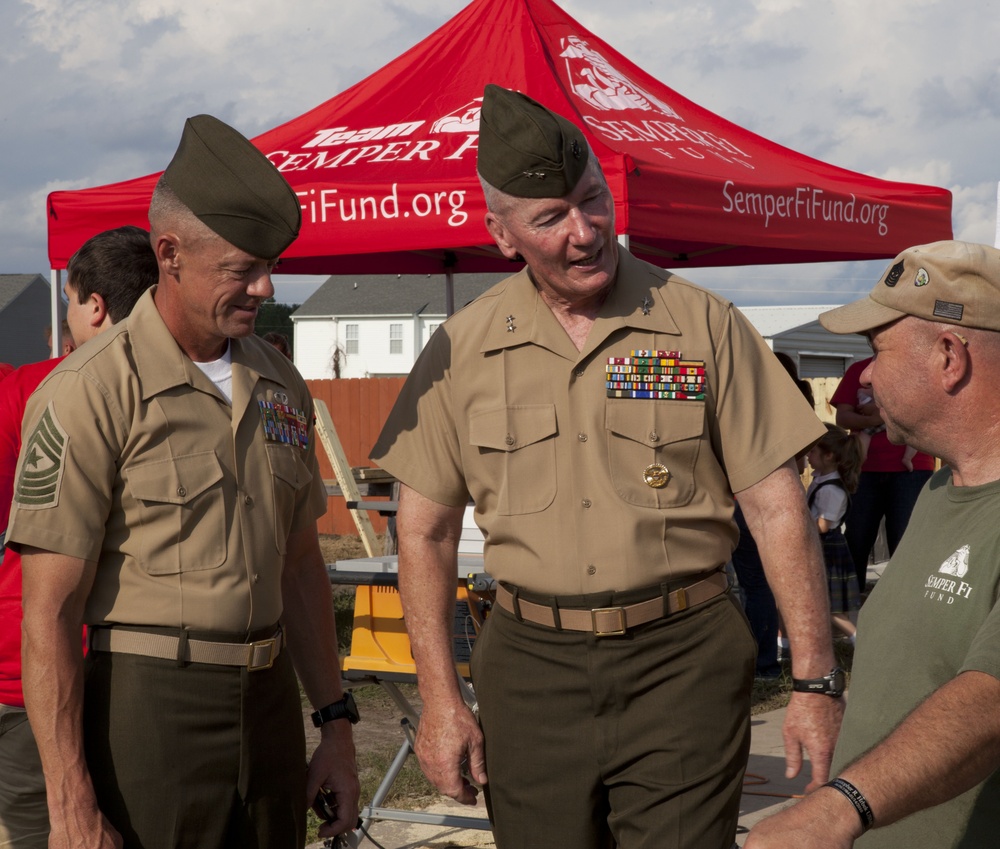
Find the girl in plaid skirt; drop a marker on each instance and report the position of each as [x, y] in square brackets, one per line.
[836, 463]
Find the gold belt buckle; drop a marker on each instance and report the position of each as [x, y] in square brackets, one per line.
[617, 629]
[256, 667]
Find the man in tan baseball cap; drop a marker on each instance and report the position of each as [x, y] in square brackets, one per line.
[918, 756]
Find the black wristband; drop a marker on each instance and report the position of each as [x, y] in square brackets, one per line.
[855, 797]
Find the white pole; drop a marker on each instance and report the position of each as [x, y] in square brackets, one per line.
[996, 238]
[56, 319]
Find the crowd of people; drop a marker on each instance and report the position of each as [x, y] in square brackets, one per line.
[163, 589]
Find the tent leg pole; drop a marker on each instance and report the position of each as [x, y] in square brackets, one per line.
[56, 321]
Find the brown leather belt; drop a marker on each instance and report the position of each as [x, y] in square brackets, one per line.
[257, 655]
[614, 621]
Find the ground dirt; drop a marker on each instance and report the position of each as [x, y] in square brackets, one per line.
[344, 547]
[379, 735]
[380, 716]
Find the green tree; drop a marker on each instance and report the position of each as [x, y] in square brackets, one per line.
[277, 318]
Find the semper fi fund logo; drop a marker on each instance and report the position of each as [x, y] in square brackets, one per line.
[948, 584]
[621, 111]
[454, 136]
[333, 151]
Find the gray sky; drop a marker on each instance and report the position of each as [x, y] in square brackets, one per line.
[96, 91]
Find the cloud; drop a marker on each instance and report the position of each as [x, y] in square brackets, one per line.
[902, 89]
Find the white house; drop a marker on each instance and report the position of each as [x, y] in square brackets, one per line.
[796, 331]
[376, 325]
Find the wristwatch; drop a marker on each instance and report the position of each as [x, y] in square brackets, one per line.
[829, 685]
[345, 708]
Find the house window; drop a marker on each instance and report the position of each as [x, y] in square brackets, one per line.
[351, 338]
[431, 328]
[395, 338]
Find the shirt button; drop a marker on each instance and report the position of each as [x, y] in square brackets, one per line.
[579, 372]
[591, 569]
[256, 578]
[509, 440]
[248, 500]
[654, 436]
[585, 502]
[582, 437]
[181, 491]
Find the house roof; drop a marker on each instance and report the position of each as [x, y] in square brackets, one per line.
[392, 294]
[773, 321]
[12, 285]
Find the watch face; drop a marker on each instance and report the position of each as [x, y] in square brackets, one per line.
[838, 681]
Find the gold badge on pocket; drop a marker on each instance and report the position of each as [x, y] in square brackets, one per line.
[656, 475]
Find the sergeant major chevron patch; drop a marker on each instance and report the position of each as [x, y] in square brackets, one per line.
[42, 464]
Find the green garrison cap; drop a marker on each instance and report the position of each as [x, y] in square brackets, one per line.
[233, 188]
[525, 149]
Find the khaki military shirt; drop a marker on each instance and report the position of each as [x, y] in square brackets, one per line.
[502, 408]
[133, 459]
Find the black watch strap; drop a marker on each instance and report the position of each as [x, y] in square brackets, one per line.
[344, 708]
[829, 685]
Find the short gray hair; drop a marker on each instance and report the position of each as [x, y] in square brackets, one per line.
[499, 202]
[168, 212]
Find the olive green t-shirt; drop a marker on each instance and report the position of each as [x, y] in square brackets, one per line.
[932, 615]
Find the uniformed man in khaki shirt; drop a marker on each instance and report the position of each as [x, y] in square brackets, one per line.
[600, 413]
[167, 497]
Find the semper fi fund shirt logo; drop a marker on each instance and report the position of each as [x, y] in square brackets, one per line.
[948, 582]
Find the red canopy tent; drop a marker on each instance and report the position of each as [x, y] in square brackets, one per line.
[386, 170]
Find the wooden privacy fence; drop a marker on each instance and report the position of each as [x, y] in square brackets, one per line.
[359, 408]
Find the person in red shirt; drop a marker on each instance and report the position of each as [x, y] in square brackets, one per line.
[104, 280]
[888, 489]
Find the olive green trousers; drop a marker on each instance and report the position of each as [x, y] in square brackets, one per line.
[637, 741]
[196, 755]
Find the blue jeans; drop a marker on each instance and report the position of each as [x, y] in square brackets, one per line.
[760, 607]
[880, 494]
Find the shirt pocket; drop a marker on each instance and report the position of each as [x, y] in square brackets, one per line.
[181, 511]
[517, 448]
[643, 433]
[289, 475]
